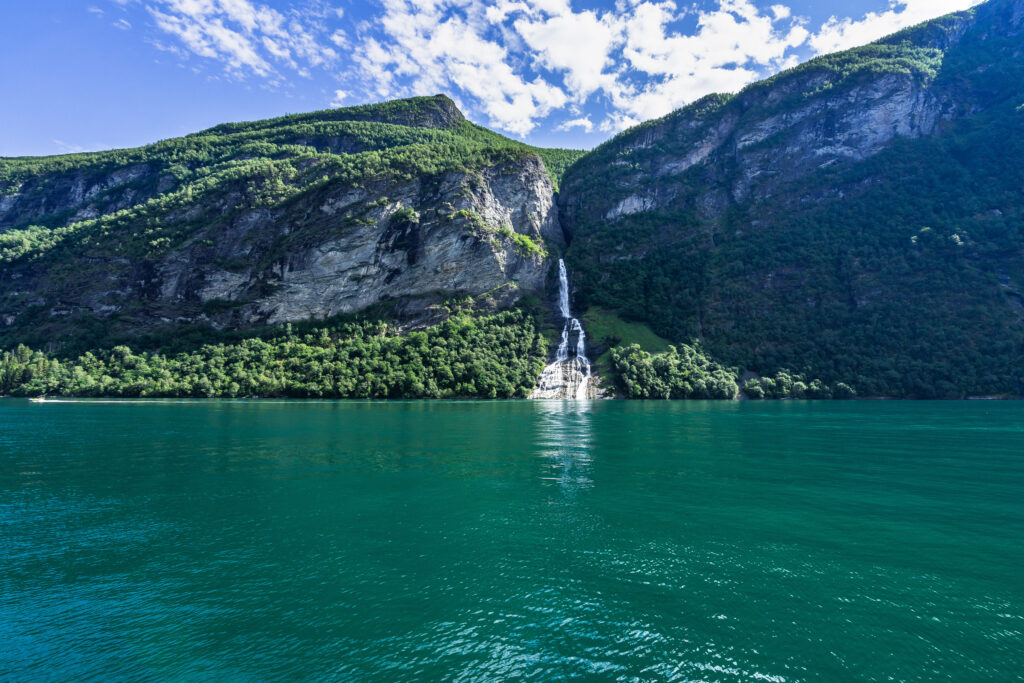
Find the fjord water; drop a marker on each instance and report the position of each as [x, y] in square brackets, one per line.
[229, 540]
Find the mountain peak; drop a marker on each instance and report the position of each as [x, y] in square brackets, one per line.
[433, 111]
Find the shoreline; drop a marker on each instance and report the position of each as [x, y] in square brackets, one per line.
[184, 399]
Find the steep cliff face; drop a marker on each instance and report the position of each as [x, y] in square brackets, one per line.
[727, 150]
[747, 148]
[857, 218]
[442, 236]
[306, 217]
[78, 195]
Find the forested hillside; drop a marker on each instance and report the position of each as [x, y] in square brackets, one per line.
[244, 225]
[859, 219]
[169, 270]
[495, 356]
[851, 227]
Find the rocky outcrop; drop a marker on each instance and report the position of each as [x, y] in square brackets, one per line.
[748, 148]
[410, 245]
[418, 241]
[299, 218]
[63, 198]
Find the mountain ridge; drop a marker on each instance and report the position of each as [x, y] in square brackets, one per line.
[802, 224]
[852, 225]
[252, 224]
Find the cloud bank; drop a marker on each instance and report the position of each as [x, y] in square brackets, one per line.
[246, 37]
[520, 63]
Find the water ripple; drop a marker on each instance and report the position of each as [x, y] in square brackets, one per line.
[473, 541]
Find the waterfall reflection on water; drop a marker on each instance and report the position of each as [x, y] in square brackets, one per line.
[564, 437]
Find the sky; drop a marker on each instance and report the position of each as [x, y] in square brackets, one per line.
[84, 75]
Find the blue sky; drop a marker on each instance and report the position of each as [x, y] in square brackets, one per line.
[82, 75]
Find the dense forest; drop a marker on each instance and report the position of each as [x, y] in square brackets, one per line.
[899, 274]
[853, 227]
[466, 356]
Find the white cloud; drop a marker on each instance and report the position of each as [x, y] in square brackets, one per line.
[514, 63]
[339, 98]
[583, 123]
[519, 60]
[340, 39]
[122, 24]
[246, 37]
[734, 45]
[438, 45]
[577, 44]
[844, 33]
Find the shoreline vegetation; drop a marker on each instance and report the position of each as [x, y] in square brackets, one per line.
[889, 267]
[479, 356]
[467, 356]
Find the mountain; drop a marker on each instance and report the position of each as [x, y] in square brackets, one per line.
[853, 226]
[403, 204]
[857, 219]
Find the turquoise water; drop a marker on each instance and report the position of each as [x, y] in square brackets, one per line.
[481, 541]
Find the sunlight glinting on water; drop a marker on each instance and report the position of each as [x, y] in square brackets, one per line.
[494, 540]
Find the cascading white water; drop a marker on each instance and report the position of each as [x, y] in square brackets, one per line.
[563, 290]
[563, 348]
[566, 378]
[582, 360]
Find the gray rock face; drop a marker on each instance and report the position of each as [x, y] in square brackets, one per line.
[416, 241]
[754, 147]
[630, 205]
[335, 251]
[849, 127]
[8, 201]
[82, 195]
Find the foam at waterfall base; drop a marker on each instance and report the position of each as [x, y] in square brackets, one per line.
[567, 378]
[564, 380]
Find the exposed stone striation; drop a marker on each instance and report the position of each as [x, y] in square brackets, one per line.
[419, 241]
[62, 198]
[303, 217]
[340, 250]
[723, 151]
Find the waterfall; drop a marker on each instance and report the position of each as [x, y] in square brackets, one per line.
[563, 290]
[582, 360]
[563, 348]
[568, 377]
